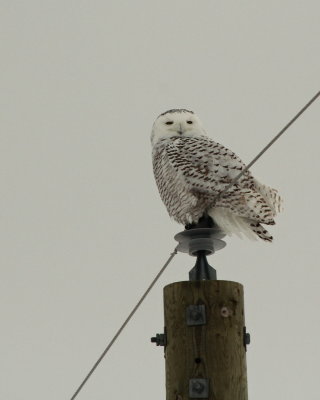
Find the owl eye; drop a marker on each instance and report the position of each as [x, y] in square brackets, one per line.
[189, 122]
[169, 122]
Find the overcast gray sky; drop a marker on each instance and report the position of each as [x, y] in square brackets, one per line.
[83, 230]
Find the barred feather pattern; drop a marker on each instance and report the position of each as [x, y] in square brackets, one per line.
[190, 173]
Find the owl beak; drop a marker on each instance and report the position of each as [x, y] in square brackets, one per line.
[180, 131]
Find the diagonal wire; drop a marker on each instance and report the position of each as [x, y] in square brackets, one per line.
[303, 109]
[125, 323]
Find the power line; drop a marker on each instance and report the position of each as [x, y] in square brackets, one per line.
[303, 109]
[124, 324]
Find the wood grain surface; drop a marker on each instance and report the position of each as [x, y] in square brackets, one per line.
[213, 351]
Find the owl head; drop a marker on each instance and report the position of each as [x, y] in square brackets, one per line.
[176, 123]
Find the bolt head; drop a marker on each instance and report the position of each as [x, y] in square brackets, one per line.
[160, 339]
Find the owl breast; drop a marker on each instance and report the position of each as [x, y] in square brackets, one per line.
[182, 205]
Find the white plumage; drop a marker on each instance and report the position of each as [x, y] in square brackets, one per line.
[191, 170]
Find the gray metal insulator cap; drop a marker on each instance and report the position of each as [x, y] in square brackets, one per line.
[206, 239]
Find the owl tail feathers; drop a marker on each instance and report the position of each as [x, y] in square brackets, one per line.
[261, 232]
[232, 224]
[271, 197]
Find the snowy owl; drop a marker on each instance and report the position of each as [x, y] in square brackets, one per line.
[191, 170]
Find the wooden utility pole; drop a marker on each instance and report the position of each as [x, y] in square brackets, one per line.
[205, 352]
[205, 336]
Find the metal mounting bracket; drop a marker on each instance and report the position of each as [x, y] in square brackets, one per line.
[198, 388]
[196, 314]
[246, 338]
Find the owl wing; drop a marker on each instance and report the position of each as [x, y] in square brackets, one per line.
[204, 165]
[206, 168]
